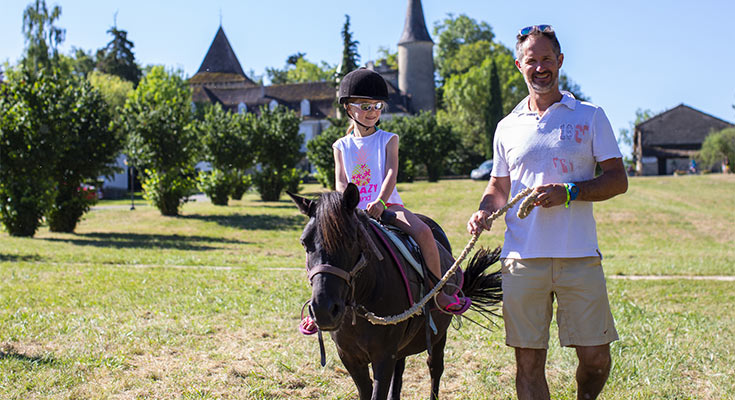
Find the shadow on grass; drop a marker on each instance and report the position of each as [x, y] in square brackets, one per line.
[145, 241]
[252, 222]
[20, 257]
[10, 353]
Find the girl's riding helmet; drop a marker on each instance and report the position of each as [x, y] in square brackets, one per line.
[362, 83]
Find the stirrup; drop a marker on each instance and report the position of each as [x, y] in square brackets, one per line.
[457, 301]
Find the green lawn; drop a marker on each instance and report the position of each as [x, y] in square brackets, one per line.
[136, 305]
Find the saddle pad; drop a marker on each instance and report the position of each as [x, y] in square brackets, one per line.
[401, 246]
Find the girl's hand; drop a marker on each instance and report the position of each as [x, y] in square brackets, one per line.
[375, 209]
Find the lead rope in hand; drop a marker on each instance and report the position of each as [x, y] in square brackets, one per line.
[416, 309]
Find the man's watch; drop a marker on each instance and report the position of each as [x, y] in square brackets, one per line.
[573, 191]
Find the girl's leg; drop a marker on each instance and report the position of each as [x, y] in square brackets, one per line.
[421, 233]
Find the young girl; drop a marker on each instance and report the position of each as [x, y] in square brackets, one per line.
[368, 157]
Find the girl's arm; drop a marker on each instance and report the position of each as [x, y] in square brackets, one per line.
[375, 208]
[339, 172]
[391, 168]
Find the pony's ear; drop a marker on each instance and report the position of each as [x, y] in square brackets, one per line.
[302, 203]
[351, 196]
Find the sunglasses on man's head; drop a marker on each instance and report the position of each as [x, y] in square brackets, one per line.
[533, 28]
[368, 106]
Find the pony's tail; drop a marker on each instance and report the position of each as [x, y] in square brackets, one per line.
[485, 290]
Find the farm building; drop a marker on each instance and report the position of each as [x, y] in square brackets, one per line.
[669, 141]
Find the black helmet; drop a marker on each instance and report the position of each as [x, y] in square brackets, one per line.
[363, 84]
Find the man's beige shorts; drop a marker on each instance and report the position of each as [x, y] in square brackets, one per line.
[578, 284]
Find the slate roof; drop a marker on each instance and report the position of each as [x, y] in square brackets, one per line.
[221, 61]
[682, 125]
[321, 96]
[414, 29]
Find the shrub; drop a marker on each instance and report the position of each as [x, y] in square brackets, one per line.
[167, 191]
[216, 184]
[320, 153]
[241, 183]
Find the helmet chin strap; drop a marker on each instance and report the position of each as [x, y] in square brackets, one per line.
[347, 111]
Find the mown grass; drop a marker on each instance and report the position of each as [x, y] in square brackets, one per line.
[136, 305]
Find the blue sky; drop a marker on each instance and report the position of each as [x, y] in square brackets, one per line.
[625, 54]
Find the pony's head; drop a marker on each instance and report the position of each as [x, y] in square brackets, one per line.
[333, 252]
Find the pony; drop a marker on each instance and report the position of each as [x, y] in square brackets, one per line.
[350, 276]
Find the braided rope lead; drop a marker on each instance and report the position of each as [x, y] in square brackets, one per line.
[417, 308]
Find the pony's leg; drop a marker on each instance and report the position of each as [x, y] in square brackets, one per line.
[397, 382]
[360, 374]
[436, 365]
[383, 374]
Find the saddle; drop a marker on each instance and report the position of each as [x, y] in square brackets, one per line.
[422, 280]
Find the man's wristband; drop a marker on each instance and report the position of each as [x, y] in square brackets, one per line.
[382, 202]
[572, 192]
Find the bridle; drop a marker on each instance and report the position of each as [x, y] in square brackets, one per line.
[351, 276]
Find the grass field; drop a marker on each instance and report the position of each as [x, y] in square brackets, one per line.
[205, 306]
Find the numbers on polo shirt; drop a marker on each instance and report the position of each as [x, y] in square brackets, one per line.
[563, 165]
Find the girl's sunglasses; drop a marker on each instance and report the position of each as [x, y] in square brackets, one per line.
[368, 106]
[530, 29]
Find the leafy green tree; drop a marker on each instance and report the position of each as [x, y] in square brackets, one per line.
[319, 152]
[114, 89]
[27, 142]
[494, 111]
[227, 146]
[117, 57]
[278, 147]
[385, 55]
[453, 34]
[42, 37]
[350, 57]
[299, 70]
[718, 148]
[424, 145]
[566, 83]
[85, 149]
[625, 135]
[162, 142]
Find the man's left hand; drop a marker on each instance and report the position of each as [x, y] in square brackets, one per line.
[553, 194]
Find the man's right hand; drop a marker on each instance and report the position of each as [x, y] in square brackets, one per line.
[478, 222]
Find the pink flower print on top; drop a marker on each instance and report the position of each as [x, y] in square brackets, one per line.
[361, 172]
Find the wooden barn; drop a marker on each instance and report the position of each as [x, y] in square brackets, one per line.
[669, 141]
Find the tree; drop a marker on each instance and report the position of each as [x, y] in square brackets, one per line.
[41, 36]
[453, 34]
[157, 118]
[424, 144]
[27, 108]
[387, 57]
[566, 83]
[625, 136]
[299, 70]
[227, 146]
[114, 89]
[718, 148]
[85, 149]
[494, 110]
[319, 152]
[350, 57]
[278, 146]
[117, 57]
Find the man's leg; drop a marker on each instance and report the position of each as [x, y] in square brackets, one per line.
[594, 367]
[530, 374]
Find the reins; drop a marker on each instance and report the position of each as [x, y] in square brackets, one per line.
[417, 308]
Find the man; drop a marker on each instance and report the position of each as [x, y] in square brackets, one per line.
[553, 143]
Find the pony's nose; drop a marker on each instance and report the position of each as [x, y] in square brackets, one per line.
[327, 313]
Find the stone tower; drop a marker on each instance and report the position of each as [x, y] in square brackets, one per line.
[416, 60]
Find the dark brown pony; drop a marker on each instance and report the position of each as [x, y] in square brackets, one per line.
[350, 275]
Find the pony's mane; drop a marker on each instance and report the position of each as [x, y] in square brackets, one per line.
[334, 221]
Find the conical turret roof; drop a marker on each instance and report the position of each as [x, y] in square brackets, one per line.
[415, 27]
[220, 57]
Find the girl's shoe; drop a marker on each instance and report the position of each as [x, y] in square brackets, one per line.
[453, 304]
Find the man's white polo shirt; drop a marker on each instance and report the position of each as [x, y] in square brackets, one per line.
[564, 145]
